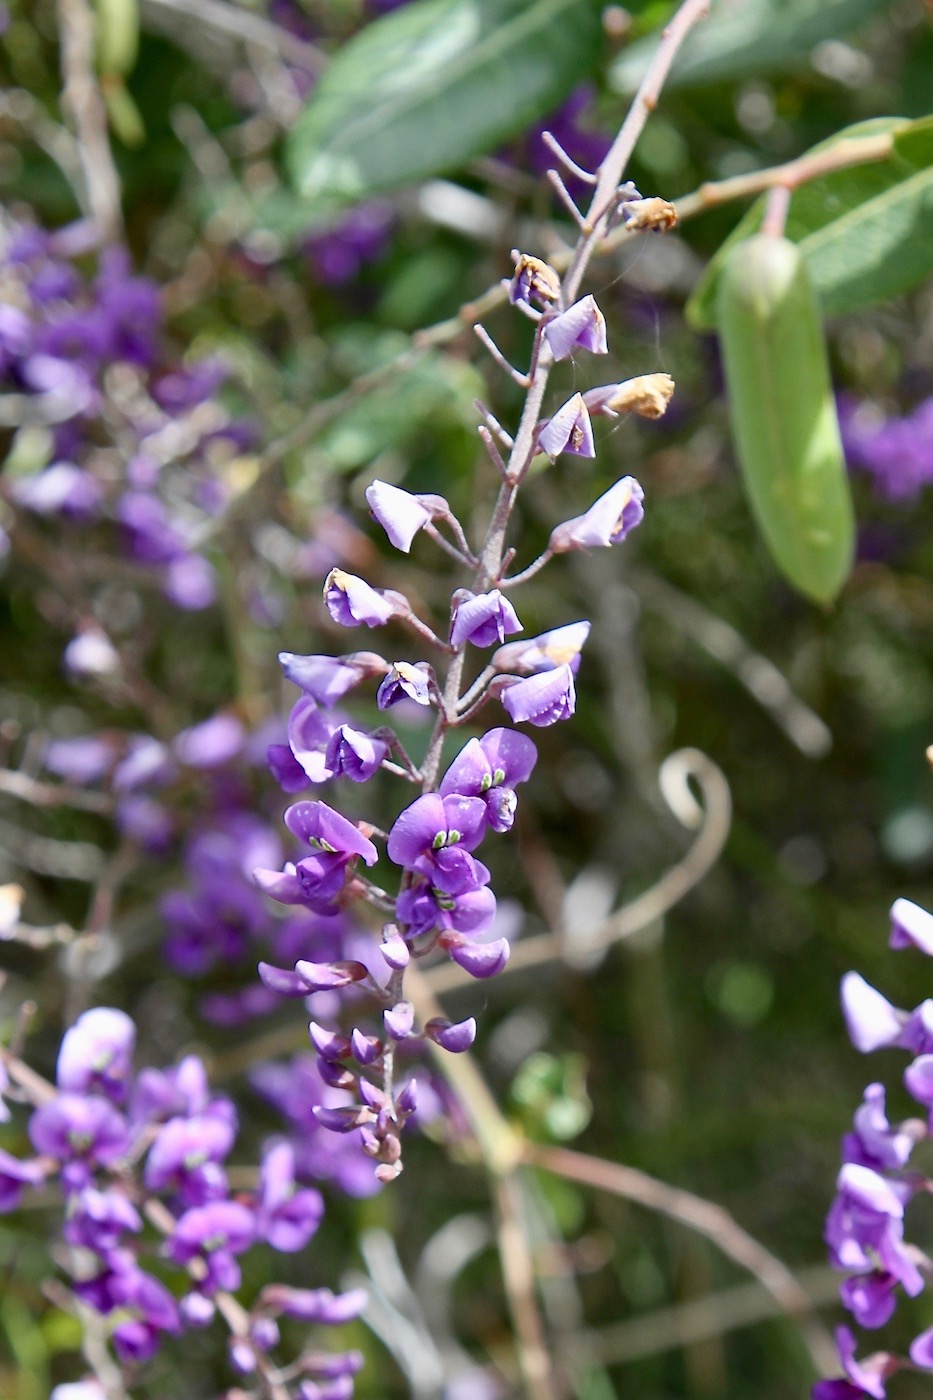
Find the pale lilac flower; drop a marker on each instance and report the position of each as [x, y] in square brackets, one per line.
[482, 618]
[351, 601]
[918, 1078]
[328, 678]
[91, 654]
[210, 744]
[314, 1305]
[871, 1020]
[96, 1054]
[568, 431]
[582, 326]
[911, 926]
[399, 513]
[559, 647]
[541, 699]
[354, 754]
[618, 511]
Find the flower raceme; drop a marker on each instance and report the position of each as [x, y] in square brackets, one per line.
[438, 895]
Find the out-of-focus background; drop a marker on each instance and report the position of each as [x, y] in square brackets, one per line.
[708, 1049]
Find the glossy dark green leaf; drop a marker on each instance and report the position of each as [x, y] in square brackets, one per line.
[431, 85]
[864, 232]
[747, 38]
[783, 414]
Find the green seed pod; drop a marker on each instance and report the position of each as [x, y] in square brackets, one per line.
[117, 35]
[784, 415]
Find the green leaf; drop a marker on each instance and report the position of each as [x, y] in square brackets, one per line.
[863, 232]
[747, 38]
[783, 414]
[431, 85]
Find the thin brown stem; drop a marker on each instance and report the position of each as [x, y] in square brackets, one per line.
[84, 108]
[705, 1217]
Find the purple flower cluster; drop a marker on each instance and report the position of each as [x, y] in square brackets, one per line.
[130, 1148]
[865, 1228]
[87, 355]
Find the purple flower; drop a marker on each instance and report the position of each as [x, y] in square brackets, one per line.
[871, 1020]
[14, 1177]
[582, 326]
[338, 254]
[354, 754]
[83, 1131]
[921, 1350]
[214, 1233]
[351, 601]
[82, 760]
[309, 733]
[608, 520]
[210, 744]
[491, 768]
[918, 1077]
[62, 489]
[866, 1378]
[286, 1218]
[453, 1036]
[98, 1220]
[864, 1228]
[190, 582]
[874, 1143]
[869, 1298]
[404, 681]
[186, 1155]
[96, 1054]
[399, 513]
[181, 1091]
[146, 762]
[482, 618]
[568, 431]
[458, 920]
[911, 926]
[541, 699]
[328, 678]
[434, 836]
[559, 647]
[317, 1305]
[317, 879]
[917, 1032]
[896, 451]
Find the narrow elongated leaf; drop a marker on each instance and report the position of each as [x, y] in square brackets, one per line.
[431, 85]
[783, 414]
[747, 38]
[864, 232]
